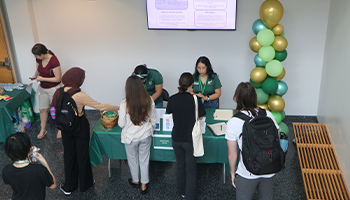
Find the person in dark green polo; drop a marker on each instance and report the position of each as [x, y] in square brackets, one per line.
[153, 82]
[206, 84]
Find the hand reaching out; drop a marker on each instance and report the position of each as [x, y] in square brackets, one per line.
[233, 179]
[40, 158]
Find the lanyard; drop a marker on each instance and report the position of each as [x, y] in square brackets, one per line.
[202, 88]
[21, 162]
[145, 82]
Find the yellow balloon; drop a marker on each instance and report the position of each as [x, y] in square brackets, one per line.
[271, 12]
[258, 74]
[278, 29]
[280, 43]
[254, 45]
[281, 76]
[264, 106]
[276, 103]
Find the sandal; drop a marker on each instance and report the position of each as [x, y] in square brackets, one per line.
[59, 134]
[41, 135]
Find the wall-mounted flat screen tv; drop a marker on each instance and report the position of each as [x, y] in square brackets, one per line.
[192, 14]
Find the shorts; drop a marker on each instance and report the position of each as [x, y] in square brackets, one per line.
[46, 95]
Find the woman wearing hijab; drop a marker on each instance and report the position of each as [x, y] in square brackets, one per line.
[77, 165]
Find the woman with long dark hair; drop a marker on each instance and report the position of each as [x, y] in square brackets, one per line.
[49, 74]
[182, 106]
[137, 117]
[77, 166]
[244, 181]
[206, 84]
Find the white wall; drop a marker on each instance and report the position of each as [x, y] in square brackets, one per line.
[108, 38]
[334, 98]
[23, 35]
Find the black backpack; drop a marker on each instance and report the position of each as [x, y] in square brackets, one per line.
[67, 115]
[261, 150]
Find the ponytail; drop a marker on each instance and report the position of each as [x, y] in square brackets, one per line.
[39, 49]
[50, 52]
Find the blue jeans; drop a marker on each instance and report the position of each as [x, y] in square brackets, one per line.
[211, 104]
[159, 105]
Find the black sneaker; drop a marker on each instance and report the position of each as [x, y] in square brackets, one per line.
[65, 192]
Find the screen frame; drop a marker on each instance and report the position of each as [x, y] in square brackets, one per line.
[191, 29]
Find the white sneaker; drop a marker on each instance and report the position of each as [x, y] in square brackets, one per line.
[66, 193]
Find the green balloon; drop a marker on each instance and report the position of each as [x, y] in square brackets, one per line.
[262, 96]
[283, 128]
[277, 116]
[280, 55]
[283, 114]
[274, 68]
[265, 37]
[267, 53]
[256, 85]
[282, 88]
[282, 34]
[269, 85]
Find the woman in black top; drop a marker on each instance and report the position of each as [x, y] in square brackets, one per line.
[182, 106]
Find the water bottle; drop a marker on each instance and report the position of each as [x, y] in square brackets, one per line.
[284, 141]
[53, 112]
[35, 151]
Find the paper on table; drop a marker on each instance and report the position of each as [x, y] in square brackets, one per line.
[159, 114]
[222, 114]
[30, 86]
[218, 128]
[168, 122]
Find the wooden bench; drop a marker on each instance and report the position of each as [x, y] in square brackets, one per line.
[322, 176]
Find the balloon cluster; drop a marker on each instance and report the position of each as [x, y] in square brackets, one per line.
[270, 46]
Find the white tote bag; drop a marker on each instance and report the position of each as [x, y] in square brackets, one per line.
[198, 149]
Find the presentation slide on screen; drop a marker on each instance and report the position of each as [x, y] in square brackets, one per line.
[191, 14]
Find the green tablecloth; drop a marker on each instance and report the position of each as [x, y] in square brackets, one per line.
[7, 108]
[108, 142]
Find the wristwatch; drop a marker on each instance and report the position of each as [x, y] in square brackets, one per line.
[208, 98]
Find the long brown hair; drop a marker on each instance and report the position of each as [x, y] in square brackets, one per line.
[138, 102]
[245, 97]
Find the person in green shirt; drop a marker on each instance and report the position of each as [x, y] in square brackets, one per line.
[206, 84]
[153, 82]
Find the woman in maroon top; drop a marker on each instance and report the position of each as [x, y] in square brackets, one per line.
[49, 74]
